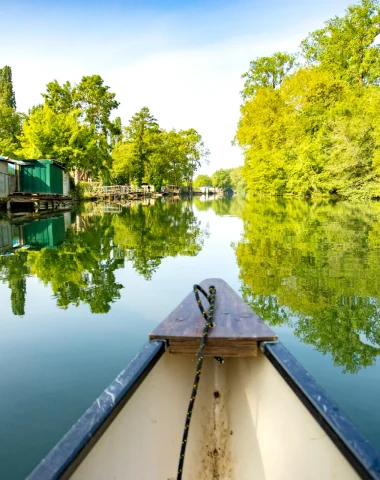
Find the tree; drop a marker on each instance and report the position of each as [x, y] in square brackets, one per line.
[10, 120]
[202, 181]
[221, 179]
[7, 94]
[345, 46]
[96, 103]
[318, 133]
[267, 72]
[91, 103]
[59, 97]
[194, 154]
[116, 132]
[148, 153]
[142, 132]
[61, 136]
[122, 162]
[10, 129]
[237, 182]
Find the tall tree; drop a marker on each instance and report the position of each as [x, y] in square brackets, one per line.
[10, 129]
[267, 72]
[96, 103]
[47, 134]
[143, 131]
[7, 94]
[345, 46]
[59, 97]
[195, 154]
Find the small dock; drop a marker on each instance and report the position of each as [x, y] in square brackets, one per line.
[121, 192]
[19, 203]
[237, 331]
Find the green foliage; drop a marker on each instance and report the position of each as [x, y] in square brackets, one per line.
[74, 126]
[267, 72]
[314, 267]
[222, 179]
[145, 236]
[10, 120]
[10, 129]
[47, 134]
[345, 46]
[59, 97]
[13, 271]
[202, 181]
[143, 134]
[226, 179]
[231, 206]
[318, 133]
[237, 182]
[149, 153]
[7, 94]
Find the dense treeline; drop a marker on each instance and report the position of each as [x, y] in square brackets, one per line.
[226, 179]
[310, 125]
[73, 125]
[146, 152]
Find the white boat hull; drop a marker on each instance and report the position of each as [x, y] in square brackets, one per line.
[256, 428]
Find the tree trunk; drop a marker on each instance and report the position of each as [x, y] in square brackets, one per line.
[76, 176]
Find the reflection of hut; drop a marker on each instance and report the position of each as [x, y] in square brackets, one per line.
[5, 236]
[44, 233]
[146, 188]
[170, 190]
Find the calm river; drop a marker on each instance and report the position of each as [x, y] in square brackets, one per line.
[80, 292]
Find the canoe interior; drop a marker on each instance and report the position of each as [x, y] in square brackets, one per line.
[247, 424]
[237, 328]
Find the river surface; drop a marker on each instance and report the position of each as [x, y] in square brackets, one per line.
[79, 294]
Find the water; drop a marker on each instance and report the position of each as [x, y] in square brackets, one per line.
[79, 299]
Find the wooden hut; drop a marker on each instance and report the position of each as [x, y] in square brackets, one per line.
[41, 176]
[7, 177]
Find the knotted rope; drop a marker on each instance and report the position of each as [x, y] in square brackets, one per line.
[211, 297]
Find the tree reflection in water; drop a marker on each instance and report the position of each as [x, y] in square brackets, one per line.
[79, 264]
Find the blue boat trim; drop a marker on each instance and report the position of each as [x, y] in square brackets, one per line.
[359, 452]
[74, 446]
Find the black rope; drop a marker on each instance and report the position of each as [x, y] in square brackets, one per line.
[209, 323]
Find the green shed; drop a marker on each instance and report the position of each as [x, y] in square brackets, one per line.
[42, 176]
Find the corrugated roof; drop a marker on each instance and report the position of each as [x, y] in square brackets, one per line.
[46, 161]
[28, 162]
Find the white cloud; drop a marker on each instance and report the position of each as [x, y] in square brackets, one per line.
[193, 88]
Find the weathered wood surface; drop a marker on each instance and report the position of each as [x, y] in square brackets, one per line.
[237, 328]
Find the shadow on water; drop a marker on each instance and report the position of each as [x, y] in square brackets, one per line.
[314, 266]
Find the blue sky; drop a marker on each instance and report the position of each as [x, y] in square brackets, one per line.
[182, 59]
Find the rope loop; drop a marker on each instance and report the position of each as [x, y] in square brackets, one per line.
[208, 316]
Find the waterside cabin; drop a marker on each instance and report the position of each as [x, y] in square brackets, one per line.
[7, 177]
[27, 186]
